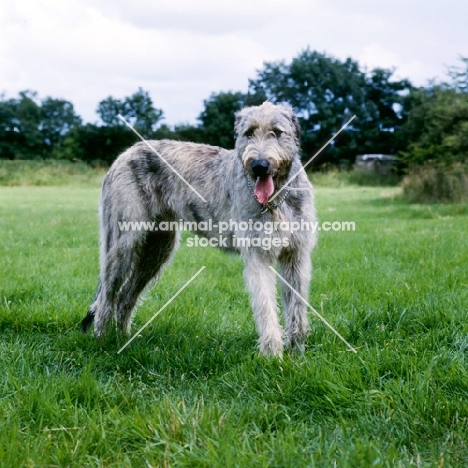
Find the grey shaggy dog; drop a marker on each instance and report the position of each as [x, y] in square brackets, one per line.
[237, 186]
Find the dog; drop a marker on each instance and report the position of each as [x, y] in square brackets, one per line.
[261, 182]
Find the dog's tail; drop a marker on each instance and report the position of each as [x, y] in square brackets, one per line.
[89, 319]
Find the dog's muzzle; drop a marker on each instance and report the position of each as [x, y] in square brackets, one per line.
[264, 184]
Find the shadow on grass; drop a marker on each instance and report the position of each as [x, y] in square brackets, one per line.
[168, 350]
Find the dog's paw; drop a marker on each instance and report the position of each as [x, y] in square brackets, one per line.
[272, 348]
[297, 348]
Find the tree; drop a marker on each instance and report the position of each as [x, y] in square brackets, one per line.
[325, 92]
[136, 109]
[32, 129]
[57, 119]
[140, 112]
[8, 129]
[20, 127]
[217, 118]
[437, 126]
[387, 101]
[107, 141]
[96, 143]
[459, 75]
[109, 109]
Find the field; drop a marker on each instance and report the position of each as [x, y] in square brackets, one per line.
[192, 390]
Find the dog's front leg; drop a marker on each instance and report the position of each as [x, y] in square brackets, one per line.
[295, 268]
[261, 283]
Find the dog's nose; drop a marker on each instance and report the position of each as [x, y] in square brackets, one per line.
[260, 167]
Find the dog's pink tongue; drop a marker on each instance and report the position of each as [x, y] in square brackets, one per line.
[264, 188]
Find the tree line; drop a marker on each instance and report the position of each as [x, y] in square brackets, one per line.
[392, 116]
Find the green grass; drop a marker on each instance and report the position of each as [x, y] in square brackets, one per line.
[48, 172]
[334, 178]
[192, 391]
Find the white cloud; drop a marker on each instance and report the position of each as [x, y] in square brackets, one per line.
[181, 51]
[377, 56]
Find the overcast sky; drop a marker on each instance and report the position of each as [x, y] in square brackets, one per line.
[181, 51]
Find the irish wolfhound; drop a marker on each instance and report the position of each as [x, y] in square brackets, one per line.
[239, 186]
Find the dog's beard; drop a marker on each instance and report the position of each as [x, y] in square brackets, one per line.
[264, 188]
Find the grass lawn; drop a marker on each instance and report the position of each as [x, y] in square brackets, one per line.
[192, 390]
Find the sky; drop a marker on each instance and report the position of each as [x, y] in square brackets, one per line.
[182, 51]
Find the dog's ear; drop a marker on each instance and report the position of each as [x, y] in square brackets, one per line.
[289, 113]
[238, 116]
[297, 127]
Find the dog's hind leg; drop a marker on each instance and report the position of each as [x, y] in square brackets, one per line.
[115, 269]
[152, 255]
[115, 266]
[89, 319]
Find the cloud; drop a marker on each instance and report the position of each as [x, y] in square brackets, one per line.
[182, 51]
[378, 56]
[204, 16]
[95, 54]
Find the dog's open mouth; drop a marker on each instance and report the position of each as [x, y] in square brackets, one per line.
[264, 188]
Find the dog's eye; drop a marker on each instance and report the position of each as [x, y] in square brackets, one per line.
[250, 132]
[277, 132]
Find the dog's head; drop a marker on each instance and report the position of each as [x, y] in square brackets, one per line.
[267, 142]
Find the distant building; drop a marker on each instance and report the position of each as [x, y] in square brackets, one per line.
[380, 163]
